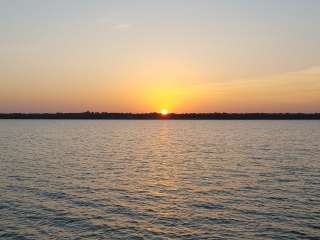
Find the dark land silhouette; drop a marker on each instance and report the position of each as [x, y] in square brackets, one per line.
[170, 116]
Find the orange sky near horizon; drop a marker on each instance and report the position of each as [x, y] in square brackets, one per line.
[183, 56]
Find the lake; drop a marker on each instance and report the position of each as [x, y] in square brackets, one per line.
[69, 179]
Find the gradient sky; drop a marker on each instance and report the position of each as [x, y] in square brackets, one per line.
[145, 55]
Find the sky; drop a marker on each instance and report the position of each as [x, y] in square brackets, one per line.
[148, 55]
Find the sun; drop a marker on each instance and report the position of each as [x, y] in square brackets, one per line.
[164, 112]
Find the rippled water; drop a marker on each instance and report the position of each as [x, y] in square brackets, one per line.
[159, 179]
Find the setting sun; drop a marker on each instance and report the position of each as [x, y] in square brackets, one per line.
[164, 111]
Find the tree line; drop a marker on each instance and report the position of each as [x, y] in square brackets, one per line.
[170, 116]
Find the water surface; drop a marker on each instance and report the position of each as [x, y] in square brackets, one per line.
[70, 179]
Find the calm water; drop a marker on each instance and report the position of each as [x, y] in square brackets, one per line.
[159, 179]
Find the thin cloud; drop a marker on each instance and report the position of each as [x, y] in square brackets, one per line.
[113, 25]
[121, 26]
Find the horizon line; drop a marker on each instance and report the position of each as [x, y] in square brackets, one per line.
[155, 112]
[158, 116]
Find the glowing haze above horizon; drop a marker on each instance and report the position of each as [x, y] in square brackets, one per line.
[145, 56]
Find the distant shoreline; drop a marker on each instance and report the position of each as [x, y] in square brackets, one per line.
[157, 116]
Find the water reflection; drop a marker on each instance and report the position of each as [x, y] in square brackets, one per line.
[159, 179]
